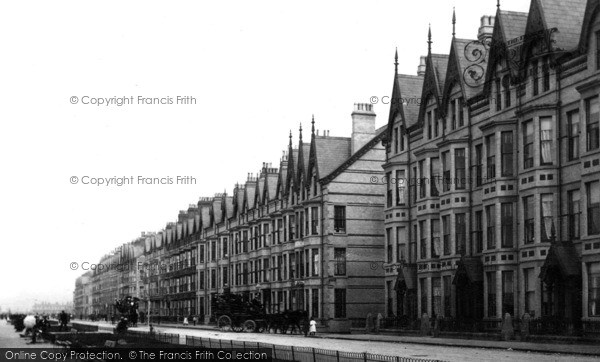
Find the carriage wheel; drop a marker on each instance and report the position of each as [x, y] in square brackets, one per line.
[249, 325]
[224, 323]
[237, 328]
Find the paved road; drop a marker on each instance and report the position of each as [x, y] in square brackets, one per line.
[444, 353]
[10, 338]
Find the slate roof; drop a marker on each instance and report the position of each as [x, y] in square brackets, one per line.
[305, 157]
[411, 87]
[377, 137]
[271, 183]
[513, 24]
[567, 17]
[250, 191]
[477, 80]
[330, 153]
[440, 65]
[228, 207]
[282, 176]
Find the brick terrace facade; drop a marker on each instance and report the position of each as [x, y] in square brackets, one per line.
[490, 200]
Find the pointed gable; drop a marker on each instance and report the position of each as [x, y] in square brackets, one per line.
[506, 44]
[291, 171]
[406, 92]
[563, 15]
[433, 83]
[282, 176]
[466, 68]
[302, 165]
[591, 12]
[260, 185]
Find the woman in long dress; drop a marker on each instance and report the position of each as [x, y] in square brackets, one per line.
[313, 327]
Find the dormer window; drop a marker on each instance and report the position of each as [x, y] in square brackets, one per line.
[546, 75]
[429, 124]
[534, 78]
[506, 87]
[461, 112]
[498, 95]
[452, 114]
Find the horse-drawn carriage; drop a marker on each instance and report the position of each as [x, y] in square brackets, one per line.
[233, 313]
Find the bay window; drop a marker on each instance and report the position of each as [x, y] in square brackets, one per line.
[460, 233]
[528, 213]
[506, 209]
[546, 153]
[528, 144]
[594, 290]
[574, 211]
[459, 169]
[547, 201]
[507, 153]
[593, 207]
[592, 110]
[435, 238]
[573, 121]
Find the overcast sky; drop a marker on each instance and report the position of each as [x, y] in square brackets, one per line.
[256, 68]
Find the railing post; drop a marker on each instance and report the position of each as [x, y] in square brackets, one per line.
[337, 354]
[314, 355]
[231, 342]
[244, 343]
[293, 357]
[274, 353]
[365, 356]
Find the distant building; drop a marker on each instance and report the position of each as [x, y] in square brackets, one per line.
[44, 308]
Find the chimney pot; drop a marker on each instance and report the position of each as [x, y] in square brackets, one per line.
[487, 27]
[422, 66]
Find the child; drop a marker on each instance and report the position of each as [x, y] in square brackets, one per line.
[313, 327]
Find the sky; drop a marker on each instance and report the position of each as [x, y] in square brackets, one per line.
[255, 69]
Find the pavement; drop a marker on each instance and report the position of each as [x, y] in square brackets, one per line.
[9, 338]
[547, 348]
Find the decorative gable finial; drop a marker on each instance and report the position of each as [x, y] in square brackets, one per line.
[396, 61]
[498, 4]
[300, 134]
[453, 22]
[313, 125]
[429, 39]
[290, 138]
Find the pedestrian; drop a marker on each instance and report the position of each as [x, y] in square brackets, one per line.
[313, 327]
[185, 321]
[195, 319]
[64, 319]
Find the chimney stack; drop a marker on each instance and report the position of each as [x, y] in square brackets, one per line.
[487, 27]
[363, 125]
[422, 66]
